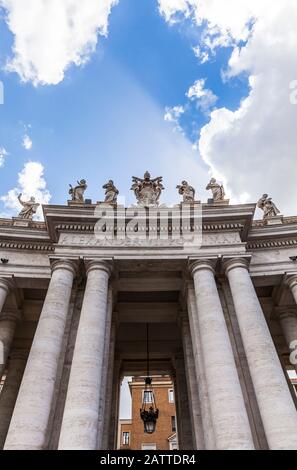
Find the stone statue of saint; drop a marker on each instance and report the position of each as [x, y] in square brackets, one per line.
[268, 207]
[29, 208]
[217, 189]
[111, 193]
[147, 191]
[187, 191]
[77, 193]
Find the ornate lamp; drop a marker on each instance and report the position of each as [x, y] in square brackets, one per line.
[149, 412]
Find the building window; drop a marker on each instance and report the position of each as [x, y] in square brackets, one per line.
[173, 423]
[148, 447]
[126, 438]
[171, 396]
[147, 396]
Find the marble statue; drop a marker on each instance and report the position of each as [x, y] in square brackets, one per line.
[268, 207]
[29, 208]
[187, 191]
[147, 191]
[217, 189]
[77, 193]
[111, 193]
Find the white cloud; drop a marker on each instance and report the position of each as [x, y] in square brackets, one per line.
[203, 56]
[173, 114]
[253, 149]
[3, 155]
[31, 182]
[204, 97]
[27, 142]
[49, 36]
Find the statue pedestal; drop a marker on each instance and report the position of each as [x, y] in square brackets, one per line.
[18, 222]
[277, 220]
[224, 202]
[86, 202]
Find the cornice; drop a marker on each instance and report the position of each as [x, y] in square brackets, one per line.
[268, 244]
[23, 245]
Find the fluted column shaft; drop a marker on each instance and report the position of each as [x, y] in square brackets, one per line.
[10, 390]
[275, 403]
[81, 413]
[4, 291]
[33, 406]
[229, 415]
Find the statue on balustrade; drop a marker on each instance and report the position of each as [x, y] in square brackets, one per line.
[217, 189]
[29, 208]
[77, 193]
[111, 193]
[147, 191]
[187, 191]
[268, 207]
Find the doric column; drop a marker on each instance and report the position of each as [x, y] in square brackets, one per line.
[288, 321]
[8, 395]
[8, 322]
[5, 287]
[208, 431]
[33, 406]
[194, 397]
[229, 416]
[103, 392]
[81, 413]
[275, 403]
[292, 283]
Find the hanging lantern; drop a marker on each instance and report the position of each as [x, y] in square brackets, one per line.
[149, 412]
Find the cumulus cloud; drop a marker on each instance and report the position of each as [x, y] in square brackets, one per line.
[31, 182]
[27, 142]
[252, 149]
[204, 98]
[49, 36]
[3, 155]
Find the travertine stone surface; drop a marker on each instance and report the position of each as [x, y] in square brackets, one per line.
[209, 437]
[292, 283]
[288, 322]
[8, 322]
[10, 390]
[225, 394]
[276, 407]
[31, 414]
[81, 413]
[193, 399]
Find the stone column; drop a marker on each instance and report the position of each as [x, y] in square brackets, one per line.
[193, 398]
[288, 321]
[5, 287]
[276, 406]
[29, 422]
[103, 392]
[185, 434]
[8, 322]
[81, 413]
[229, 415]
[8, 395]
[292, 283]
[208, 431]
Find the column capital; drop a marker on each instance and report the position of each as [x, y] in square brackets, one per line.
[99, 265]
[291, 280]
[66, 264]
[6, 284]
[235, 262]
[11, 314]
[202, 264]
[285, 311]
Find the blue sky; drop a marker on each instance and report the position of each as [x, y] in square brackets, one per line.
[106, 118]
